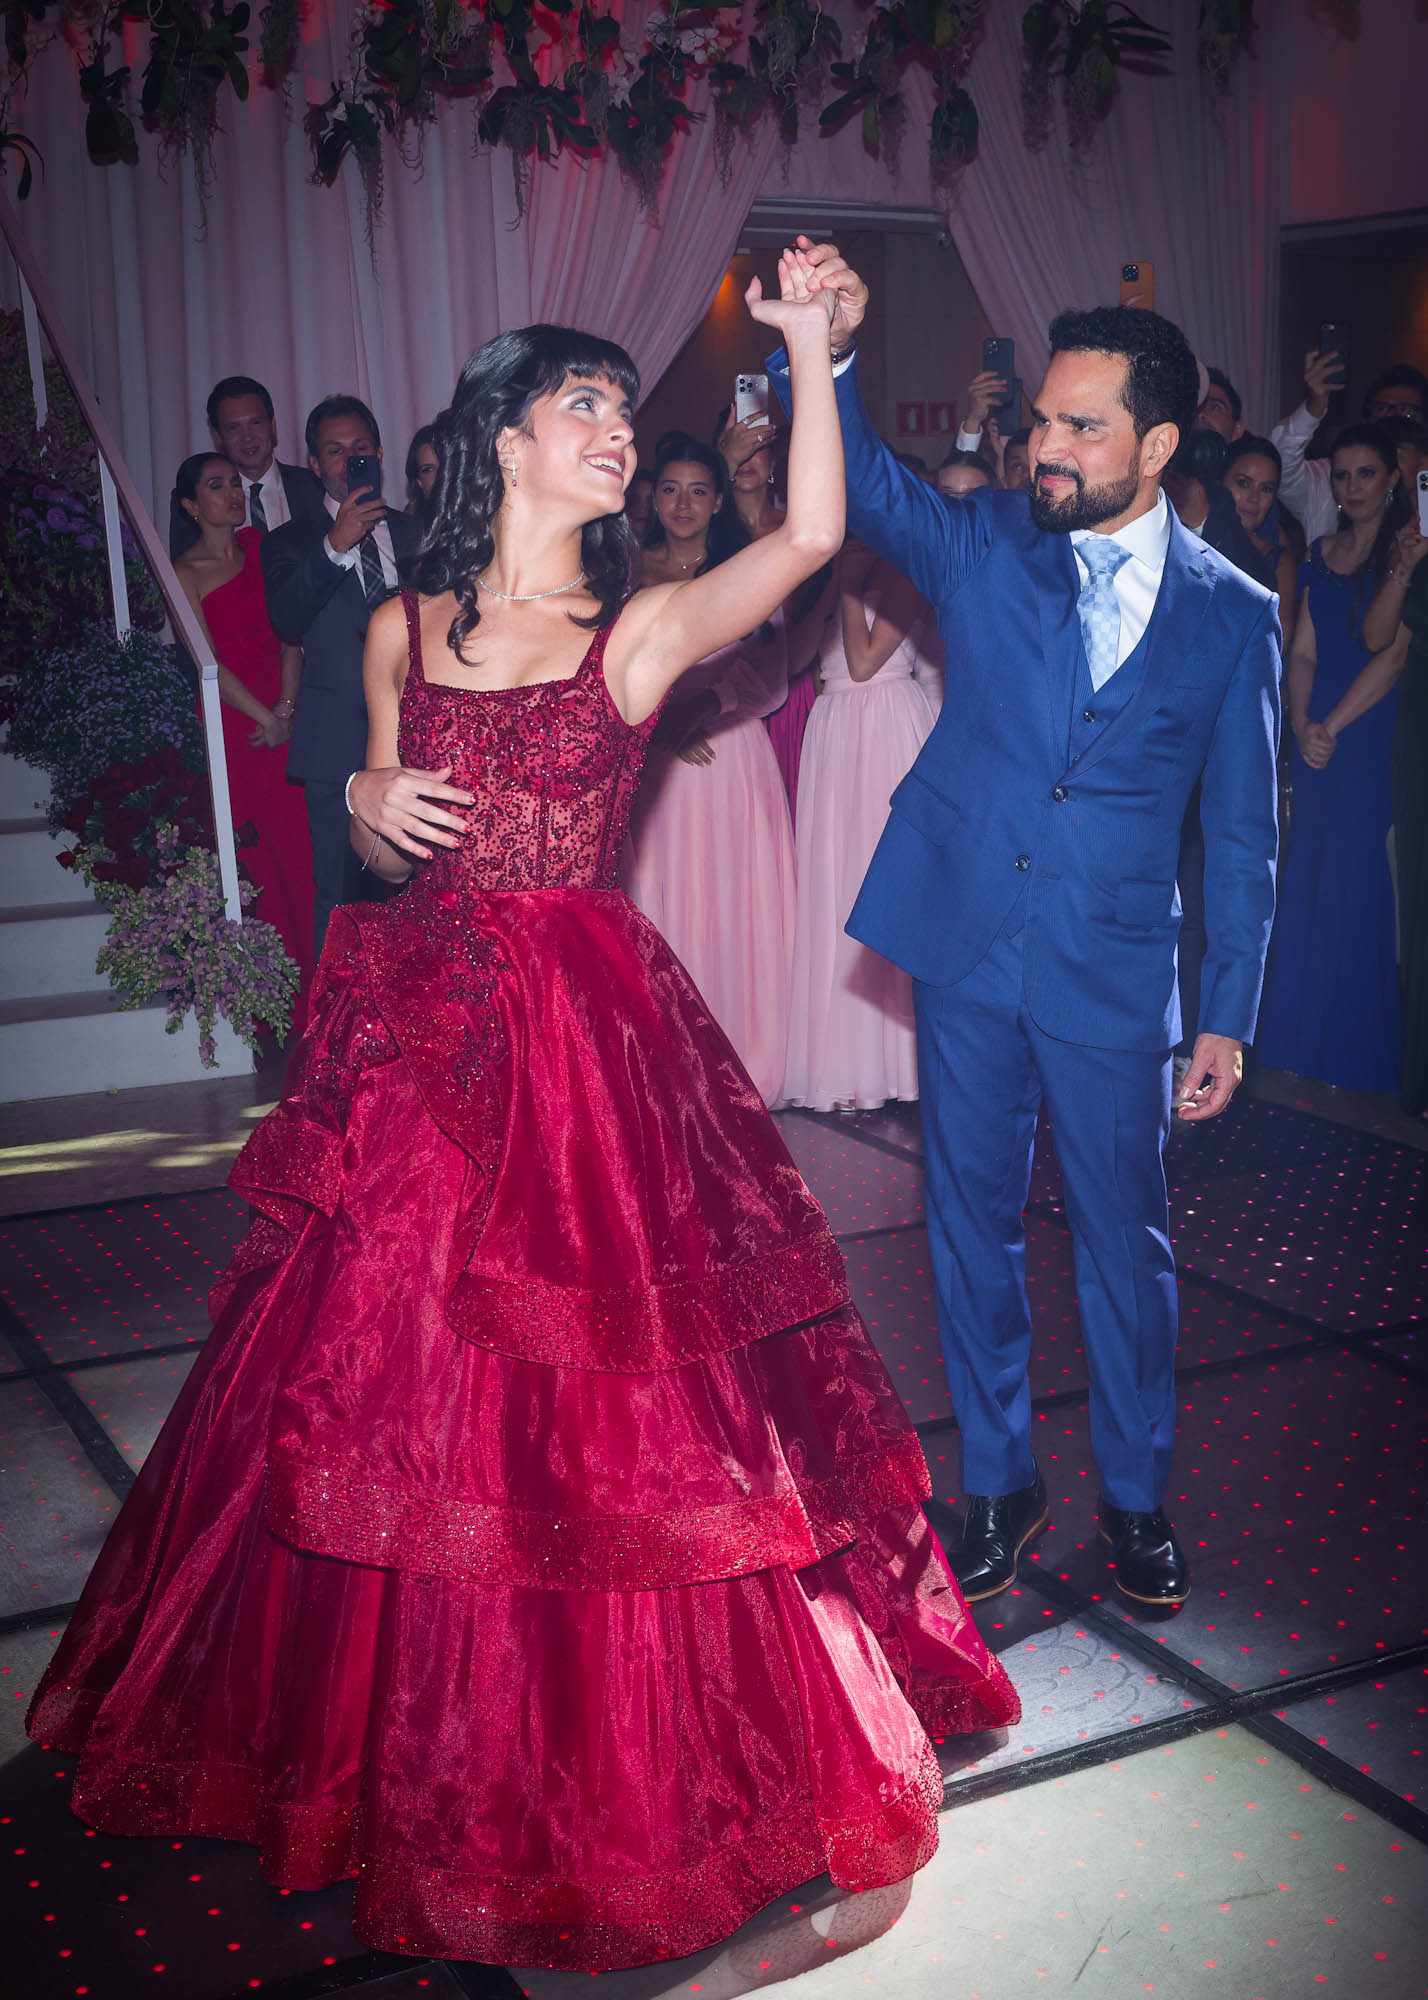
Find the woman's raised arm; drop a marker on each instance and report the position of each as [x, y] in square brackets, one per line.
[667, 628]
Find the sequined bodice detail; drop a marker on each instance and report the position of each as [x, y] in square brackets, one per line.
[554, 768]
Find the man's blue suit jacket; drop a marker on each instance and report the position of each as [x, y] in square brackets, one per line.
[981, 817]
[315, 600]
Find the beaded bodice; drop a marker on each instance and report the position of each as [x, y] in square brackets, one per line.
[554, 768]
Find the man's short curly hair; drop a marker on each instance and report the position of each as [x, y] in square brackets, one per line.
[1162, 384]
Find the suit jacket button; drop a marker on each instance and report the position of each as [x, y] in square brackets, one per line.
[1023, 861]
[1088, 714]
[1060, 794]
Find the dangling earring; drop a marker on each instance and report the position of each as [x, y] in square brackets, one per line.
[510, 471]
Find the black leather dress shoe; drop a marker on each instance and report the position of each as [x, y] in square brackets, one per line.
[995, 1530]
[1149, 1563]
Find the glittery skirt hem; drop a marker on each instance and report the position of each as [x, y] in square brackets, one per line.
[592, 1926]
[334, 1509]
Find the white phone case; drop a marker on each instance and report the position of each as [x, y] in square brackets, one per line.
[751, 397]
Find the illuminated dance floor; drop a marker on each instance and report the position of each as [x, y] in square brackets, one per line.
[1229, 1803]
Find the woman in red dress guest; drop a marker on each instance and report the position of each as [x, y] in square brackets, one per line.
[538, 1536]
[258, 681]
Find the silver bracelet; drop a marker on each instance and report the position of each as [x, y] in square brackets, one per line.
[372, 854]
[347, 795]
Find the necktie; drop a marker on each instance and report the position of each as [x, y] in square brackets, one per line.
[1099, 606]
[374, 584]
[257, 512]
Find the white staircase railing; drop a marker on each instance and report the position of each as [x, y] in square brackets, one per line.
[117, 489]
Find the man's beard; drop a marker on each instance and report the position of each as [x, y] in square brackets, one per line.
[1088, 506]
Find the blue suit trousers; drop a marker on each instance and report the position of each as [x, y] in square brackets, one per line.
[985, 1070]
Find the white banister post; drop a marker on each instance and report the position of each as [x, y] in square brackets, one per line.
[118, 488]
[218, 785]
[35, 354]
[114, 549]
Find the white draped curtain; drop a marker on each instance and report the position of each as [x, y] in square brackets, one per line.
[1317, 125]
[278, 280]
[281, 283]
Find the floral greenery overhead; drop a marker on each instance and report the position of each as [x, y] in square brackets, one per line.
[547, 77]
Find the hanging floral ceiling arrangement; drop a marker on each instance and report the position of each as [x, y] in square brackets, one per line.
[566, 76]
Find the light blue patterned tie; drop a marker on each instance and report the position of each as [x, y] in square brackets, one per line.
[1099, 606]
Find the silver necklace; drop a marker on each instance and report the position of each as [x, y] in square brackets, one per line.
[530, 597]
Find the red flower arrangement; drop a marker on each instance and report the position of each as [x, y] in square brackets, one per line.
[115, 819]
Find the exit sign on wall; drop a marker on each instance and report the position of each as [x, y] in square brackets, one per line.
[912, 420]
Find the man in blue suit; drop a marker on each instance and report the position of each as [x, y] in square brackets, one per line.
[1100, 661]
[323, 572]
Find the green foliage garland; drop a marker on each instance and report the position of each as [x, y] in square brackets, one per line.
[554, 76]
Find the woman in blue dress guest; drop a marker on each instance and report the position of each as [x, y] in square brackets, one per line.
[1331, 1006]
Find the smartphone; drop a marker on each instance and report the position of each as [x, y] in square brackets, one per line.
[1423, 503]
[1334, 339]
[364, 469]
[751, 399]
[999, 358]
[1008, 413]
[1138, 285]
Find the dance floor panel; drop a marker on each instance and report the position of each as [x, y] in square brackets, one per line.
[55, 1508]
[860, 1188]
[1212, 1867]
[131, 1398]
[1297, 1490]
[1130, 1834]
[125, 1275]
[1379, 1727]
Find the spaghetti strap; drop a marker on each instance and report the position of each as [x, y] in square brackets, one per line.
[410, 606]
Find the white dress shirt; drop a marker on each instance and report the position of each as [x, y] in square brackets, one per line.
[1305, 486]
[1137, 582]
[275, 497]
[381, 535]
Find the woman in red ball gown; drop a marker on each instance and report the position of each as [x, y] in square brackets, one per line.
[538, 1537]
[258, 680]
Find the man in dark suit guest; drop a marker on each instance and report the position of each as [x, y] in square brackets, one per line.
[324, 571]
[1101, 661]
[243, 427]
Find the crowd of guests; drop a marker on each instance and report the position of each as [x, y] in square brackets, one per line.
[771, 769]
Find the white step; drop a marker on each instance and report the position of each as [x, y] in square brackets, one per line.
[29, 870]
[51, 949]
[79, 1042]
[24, 791]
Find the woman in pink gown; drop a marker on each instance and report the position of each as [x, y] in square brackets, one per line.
[852, 1041]
[748, 451]
[537, 1537]
[257, 680]
[710, 859]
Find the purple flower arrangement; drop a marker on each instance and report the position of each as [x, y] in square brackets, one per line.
[99, 702]
[172, 941]
[54, 572]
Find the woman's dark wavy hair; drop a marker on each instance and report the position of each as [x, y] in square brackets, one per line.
[411, 472]
[1247, 445]
[727, 533]
[499, 387]
[191, 471]
[1384, 446]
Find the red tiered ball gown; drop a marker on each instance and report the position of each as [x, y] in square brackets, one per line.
[537, 1537]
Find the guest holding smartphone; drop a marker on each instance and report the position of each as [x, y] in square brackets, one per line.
[324, 574]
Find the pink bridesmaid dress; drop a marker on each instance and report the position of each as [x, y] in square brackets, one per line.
[710, 856]
[851, 1037]
[786, 728]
